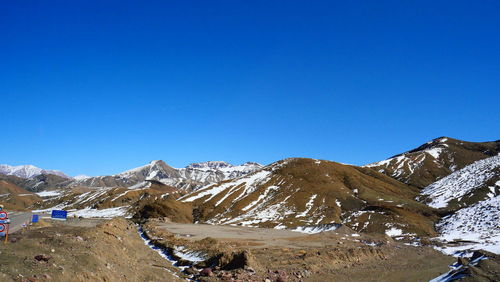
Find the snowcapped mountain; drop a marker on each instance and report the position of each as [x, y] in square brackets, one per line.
[28, 171]
[210, 165]
[191, 177]
[304, 193]
[155, 170]
[81, 177]
[216, 171]
[434, 160]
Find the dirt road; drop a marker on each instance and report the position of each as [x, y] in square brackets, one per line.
[260, 236]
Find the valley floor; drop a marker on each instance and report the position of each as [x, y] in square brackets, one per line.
[112, 250]
[330, 256]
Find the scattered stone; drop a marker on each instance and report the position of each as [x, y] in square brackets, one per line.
[43, 257]
[249, 269]
[207, 272]
[280, 279]
[306, 273]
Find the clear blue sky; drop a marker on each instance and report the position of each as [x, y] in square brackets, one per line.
[97, 87]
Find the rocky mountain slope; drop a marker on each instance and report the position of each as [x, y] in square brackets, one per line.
[434, 160]
[307, 193]
[155, 170]
[191, 177]
[474, 183]
[216, 171]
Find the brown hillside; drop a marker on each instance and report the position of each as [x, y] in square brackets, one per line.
[14, 197]
[304, 192]
[103, 198]
[38, 183]
[167, 207]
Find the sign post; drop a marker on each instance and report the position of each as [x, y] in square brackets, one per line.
[4, 224]
[59, 214]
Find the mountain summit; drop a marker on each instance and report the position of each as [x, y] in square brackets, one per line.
[434, 160]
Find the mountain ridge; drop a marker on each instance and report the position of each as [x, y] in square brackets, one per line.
[435, 159]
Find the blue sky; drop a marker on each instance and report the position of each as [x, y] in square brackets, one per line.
[97, 87]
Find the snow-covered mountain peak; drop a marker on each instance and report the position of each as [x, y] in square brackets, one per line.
[214, 165]
[81, 177]
[28, 171]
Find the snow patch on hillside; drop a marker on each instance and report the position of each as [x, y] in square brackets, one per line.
[251, 182]
[478, 223]
[394, 232]
[313, 229]
[461, 182]
[49, 193]
[103, 213]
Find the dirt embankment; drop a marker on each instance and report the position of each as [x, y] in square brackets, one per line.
[330, 256]
[168, 208]
[110, 251]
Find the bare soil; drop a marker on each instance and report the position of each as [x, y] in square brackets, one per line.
[256, 254]
[107, 251]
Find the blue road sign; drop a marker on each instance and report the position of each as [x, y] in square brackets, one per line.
[34, 218]
[59, 214]
[4, 221]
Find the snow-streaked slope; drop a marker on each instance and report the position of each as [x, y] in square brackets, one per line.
[28, 171]
[462, 182]
[216, 171]
[307, 194]
[250, 181]
[472, 194]
[409, 161]
[434, 160]
[90, 201]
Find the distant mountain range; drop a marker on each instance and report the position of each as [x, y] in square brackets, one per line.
[191, 177]
[28, 171]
